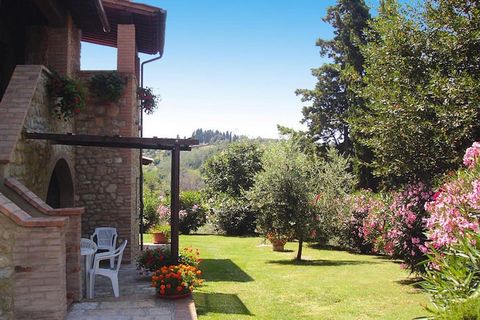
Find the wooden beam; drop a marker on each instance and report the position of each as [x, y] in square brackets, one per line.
[175, 204]
[113, 141]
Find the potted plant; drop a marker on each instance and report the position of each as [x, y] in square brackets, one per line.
[160, 233]
[67, 96]
[278, 241]
[148, 100]
[107, 86]
[176, 281]
[150, 260]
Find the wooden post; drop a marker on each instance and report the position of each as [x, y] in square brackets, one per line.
[175, 202]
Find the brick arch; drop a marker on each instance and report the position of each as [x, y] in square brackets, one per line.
[60, 192]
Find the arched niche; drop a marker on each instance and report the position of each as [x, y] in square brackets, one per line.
[60, 189]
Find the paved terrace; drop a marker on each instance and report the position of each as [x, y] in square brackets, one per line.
[137, 301]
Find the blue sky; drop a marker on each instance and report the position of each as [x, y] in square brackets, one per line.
[229, 65]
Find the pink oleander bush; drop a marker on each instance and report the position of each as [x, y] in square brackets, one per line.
[453, 240]
[407, 225]
[391, 224]
[363, 222]
[456, 205]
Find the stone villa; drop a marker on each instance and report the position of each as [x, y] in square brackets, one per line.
[50, 194]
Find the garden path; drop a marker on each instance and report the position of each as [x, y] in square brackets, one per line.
[137, 301]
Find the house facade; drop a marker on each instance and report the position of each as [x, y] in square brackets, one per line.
[52, 195]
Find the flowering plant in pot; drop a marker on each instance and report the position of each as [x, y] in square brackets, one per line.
[148, 99]
[278, 241]
[160, 233]
[176, 281]
[67, 96]
[107, 86]
[150, 260]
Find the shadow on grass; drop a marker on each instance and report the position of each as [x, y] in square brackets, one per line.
[411, 282]
[320, 262]
[219, 303]
[386, 258]
[320, 246]
[223, 270]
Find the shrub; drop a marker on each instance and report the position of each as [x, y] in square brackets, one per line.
[453, 274]
[356, 209]
[407, 225]
[151, 202]
[233, 216]
[465, 310]
[193, 213]
[455, 206]
[232, 171]
[377, 221]
[332, 178]
[107, 86]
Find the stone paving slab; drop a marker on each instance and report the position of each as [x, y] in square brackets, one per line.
[137, 301]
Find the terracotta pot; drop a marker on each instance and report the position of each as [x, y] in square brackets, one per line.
[160, 238]
[278, 245]
[175, 296]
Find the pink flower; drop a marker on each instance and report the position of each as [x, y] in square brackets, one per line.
[471, 155]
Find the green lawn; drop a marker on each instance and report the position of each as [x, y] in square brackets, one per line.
[245, 279]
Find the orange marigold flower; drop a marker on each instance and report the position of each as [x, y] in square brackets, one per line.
[199, 272]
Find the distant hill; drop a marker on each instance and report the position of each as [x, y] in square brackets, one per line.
[213, 136]
[157, 175]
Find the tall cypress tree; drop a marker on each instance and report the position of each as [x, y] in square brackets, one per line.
[334, 98]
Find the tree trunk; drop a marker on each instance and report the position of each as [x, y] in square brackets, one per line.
[300, 247]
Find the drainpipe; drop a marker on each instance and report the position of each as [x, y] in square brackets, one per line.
[141, 153]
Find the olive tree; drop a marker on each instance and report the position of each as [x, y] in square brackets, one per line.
[283, 193]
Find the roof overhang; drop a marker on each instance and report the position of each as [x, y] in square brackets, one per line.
[149, 24]
[89, 14]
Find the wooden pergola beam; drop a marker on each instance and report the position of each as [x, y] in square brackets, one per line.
[113, 141]
[175, 145]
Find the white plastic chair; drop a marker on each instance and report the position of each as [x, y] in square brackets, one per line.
[106, 240]
[109, 273]
[86, 244]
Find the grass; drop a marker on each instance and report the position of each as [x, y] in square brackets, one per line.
[245, 279]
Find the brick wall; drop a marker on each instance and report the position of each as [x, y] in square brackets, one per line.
[64, 48]
[72, 235]
[35, 285]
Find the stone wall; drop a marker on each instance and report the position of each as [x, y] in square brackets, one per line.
[107, 178]
[7, 232]
[32, 161]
